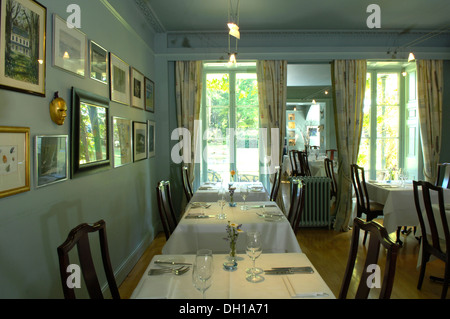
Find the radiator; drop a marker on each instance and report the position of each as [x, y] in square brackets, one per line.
[316, 212]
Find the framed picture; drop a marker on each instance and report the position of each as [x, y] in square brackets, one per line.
[151, 138]
[149, 95]
[51, 159]
[119, 82]
[15, 160]
[140, 141]
[98, 62]
[137, 89]
[122, 141]
[89, 133]
[22, 46]
[69, 47]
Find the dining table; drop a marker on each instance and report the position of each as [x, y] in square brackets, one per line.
[209, 191]
[316, 165]
[227, 284]
[200, 227]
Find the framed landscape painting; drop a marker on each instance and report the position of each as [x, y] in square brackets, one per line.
[22, 46]
[122, 141]
[140, 141]
[137, 89]
[149, 95]
[51, 159]
[119, 72]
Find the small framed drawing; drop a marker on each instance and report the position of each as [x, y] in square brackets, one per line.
[22, 46]
[121, 141]
[149, 95]
[140, 141]
[98, 62]
[15, 160]
[69, 47]
[151, 138]
[137, 89]
[119, 80]
[51, 159]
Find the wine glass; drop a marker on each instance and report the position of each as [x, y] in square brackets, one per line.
[244, 194]
[221, 203]
[202, 270]
[254, 250]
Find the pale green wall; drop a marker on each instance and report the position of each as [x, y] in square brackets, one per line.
[34, 223]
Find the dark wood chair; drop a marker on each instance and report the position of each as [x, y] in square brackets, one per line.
[378, 237]
[431, 227]
[297, 203]
[293, 158]
[329, 170]
[304, 164]
[186, 183]
[330, 153]
[165, 207]
[444, 171]
[79, 236]
[363, 203]
[276, 184]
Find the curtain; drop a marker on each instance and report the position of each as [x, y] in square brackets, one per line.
[349, 85]
[188, 88]
[430, 89]
[272, 92]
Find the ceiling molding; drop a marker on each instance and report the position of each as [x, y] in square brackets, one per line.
[150, 16]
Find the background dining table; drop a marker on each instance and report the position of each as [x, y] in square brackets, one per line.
[199, 228]
[208, 192]
[233, 284]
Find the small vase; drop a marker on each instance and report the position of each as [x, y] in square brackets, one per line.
[230, 264]
[232, 204]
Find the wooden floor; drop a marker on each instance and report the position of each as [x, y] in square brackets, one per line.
[328, 251]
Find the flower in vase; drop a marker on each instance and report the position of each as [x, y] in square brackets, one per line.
[231, 190]
[232, 173]
[233, 231]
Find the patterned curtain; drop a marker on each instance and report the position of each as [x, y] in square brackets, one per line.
[272, 92]
[188, 86]
[430, 88]
[349, 85]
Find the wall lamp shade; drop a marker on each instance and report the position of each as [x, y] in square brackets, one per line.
[232, 59]
[411, 57]
[234, 30]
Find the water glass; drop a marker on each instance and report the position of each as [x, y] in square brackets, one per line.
[254, 250]
[244, 194]
[202, 270]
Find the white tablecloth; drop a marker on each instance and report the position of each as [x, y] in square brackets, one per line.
[233, 285]
[399, 208]
[317, 167]
[192, 234]
[208, 192]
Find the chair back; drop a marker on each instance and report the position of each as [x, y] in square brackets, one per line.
[330, 154]
[293, 158]
[276, 184]
[304, 165]
[165, 207]
[186, 183]
[297, 203]
[359, 184]
[378, 237]
[436, 219]
[329, 169]
[444, 170]
[79, 236]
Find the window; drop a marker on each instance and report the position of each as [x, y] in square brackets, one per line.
[230, 113]
[389, 139]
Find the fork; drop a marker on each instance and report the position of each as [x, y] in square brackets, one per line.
[177, 271]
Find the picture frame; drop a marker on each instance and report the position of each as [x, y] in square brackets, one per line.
[51, 159]
[98, 63]
[122, 142]
[15, 160]
[151, 138]
[90, 141]
[23, 54]
[69, 47]
[119, 80]
[149, 95]
[137, 89]
[140, 141]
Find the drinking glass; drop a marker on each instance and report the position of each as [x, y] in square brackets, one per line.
[202, 270]
[221, 203]
[244, 194]
[254, 250]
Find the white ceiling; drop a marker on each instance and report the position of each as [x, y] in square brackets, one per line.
[297, 15]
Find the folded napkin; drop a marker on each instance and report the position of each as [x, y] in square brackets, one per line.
[153, 287]
[303, 286]
[203, 188]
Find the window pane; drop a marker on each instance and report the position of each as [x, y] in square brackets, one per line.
[246, 89]
[387, 156]
[217, 89]
[218, 144]
[247, 135]
[387, 121]
[387, 89]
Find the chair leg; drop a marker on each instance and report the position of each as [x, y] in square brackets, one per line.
[398, 236]
[446, 280]
[365, 237]
[425, 258]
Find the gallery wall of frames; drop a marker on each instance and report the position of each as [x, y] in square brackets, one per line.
[97, 140]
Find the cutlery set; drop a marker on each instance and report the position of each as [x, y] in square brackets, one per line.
[184, 267]
[289, 270]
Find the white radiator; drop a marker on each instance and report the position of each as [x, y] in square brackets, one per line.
[316, 212]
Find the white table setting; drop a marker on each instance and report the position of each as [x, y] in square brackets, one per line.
[202, 227]
[209, 191]
[222, 284]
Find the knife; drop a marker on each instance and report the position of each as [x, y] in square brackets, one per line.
[170, 263]
[261, 206]
[287, 271]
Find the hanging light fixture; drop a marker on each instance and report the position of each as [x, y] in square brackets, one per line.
[233, 21]
[411, 57]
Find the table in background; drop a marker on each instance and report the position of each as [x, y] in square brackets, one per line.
[233, 285]
[316, 166]
[192, 234]
[208, 192]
